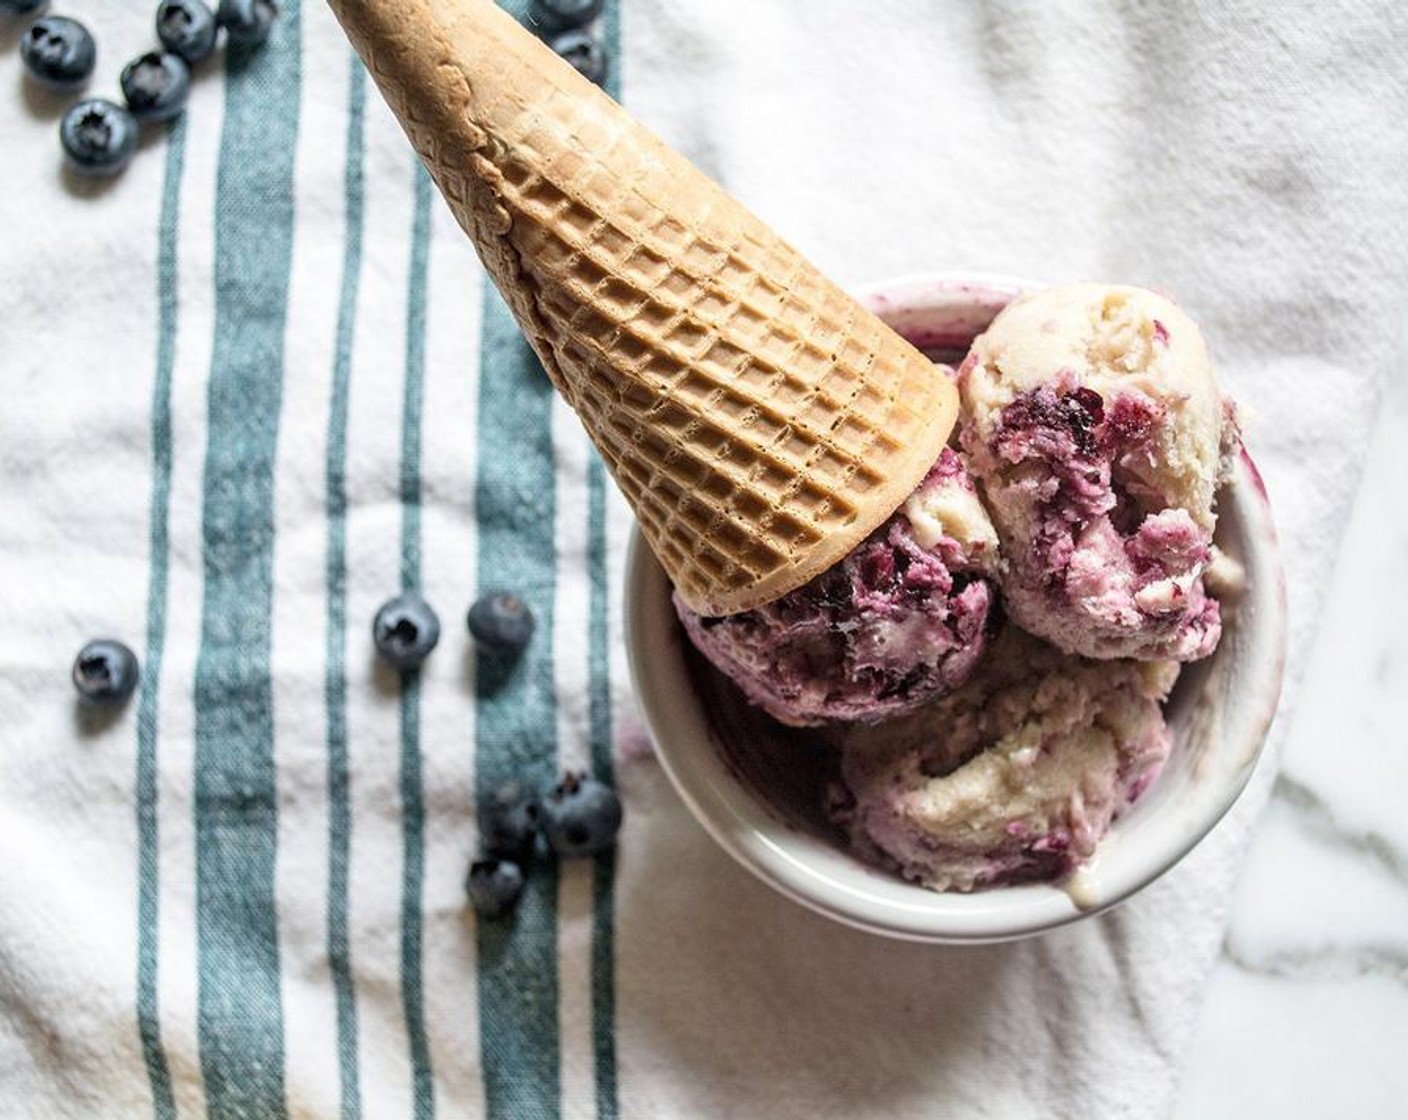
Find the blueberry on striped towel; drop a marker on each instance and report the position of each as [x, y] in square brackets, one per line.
[105, 672]
[584, 51]
[563, 15]
[494, 887]
[59, 53]
[247, 22]
[581, 816]
[508, 823]
[405, 630]
[157, 85]
[186, 27]
[501, 623]
[98, 137]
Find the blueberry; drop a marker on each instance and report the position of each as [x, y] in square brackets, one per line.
[105, 672]
[405, 630]
[564, 15]
[494, 887]
[187, 28]
[247, 22]
[501, 623]
[581, 816]
[508, 823]
[584, 51]
[98, 137]
[20, 7]
[59, 53]
[156, 85]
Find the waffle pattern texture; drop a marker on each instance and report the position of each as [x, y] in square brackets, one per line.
[760, 422]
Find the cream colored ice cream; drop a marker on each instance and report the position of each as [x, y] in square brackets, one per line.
[1098, 435]
[949, 508]
[1014, 777]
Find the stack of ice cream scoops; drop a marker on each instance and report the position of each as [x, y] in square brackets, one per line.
[977, 584]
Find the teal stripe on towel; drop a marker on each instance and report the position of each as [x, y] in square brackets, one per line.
[335, 686]
[599, 699]
[516, 728]
[604, 873]
[240, 1009]
[148, 708]
[412, 788]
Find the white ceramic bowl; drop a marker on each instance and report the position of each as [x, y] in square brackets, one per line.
[739, 773]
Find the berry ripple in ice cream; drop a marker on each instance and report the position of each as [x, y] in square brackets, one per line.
[1098, 437]
[1015, 777]
[902, 619]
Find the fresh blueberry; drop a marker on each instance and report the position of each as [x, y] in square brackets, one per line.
[98, 137]
[187, 28]
[405, 630]
[564, 15]
[105, 672]
[20, 7]
[581, 816]
[247, 22]
[508, 823]
[494, 887]
[59, 52]
[584, 51]
[156, 85]
[501, 623]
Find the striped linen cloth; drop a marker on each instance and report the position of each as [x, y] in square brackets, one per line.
[258, 385]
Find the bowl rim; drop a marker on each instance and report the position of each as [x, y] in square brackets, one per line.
[831, 881]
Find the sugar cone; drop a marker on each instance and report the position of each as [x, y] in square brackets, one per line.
[758, 419]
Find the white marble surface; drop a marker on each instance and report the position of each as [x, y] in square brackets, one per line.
[1307, 1013]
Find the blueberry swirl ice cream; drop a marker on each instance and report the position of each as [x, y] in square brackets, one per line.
[1013, 778]
[1097, 433]
[1077, 526]
[902, 619]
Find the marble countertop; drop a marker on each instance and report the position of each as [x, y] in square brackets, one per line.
[1307, 1013]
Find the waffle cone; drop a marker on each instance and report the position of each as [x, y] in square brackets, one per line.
[760, 421]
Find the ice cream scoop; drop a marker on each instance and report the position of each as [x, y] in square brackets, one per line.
[903, 618]
[1099, 436]
[1013, 778]
[759, 788]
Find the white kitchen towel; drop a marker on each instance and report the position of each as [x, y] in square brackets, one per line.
[256, 385]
